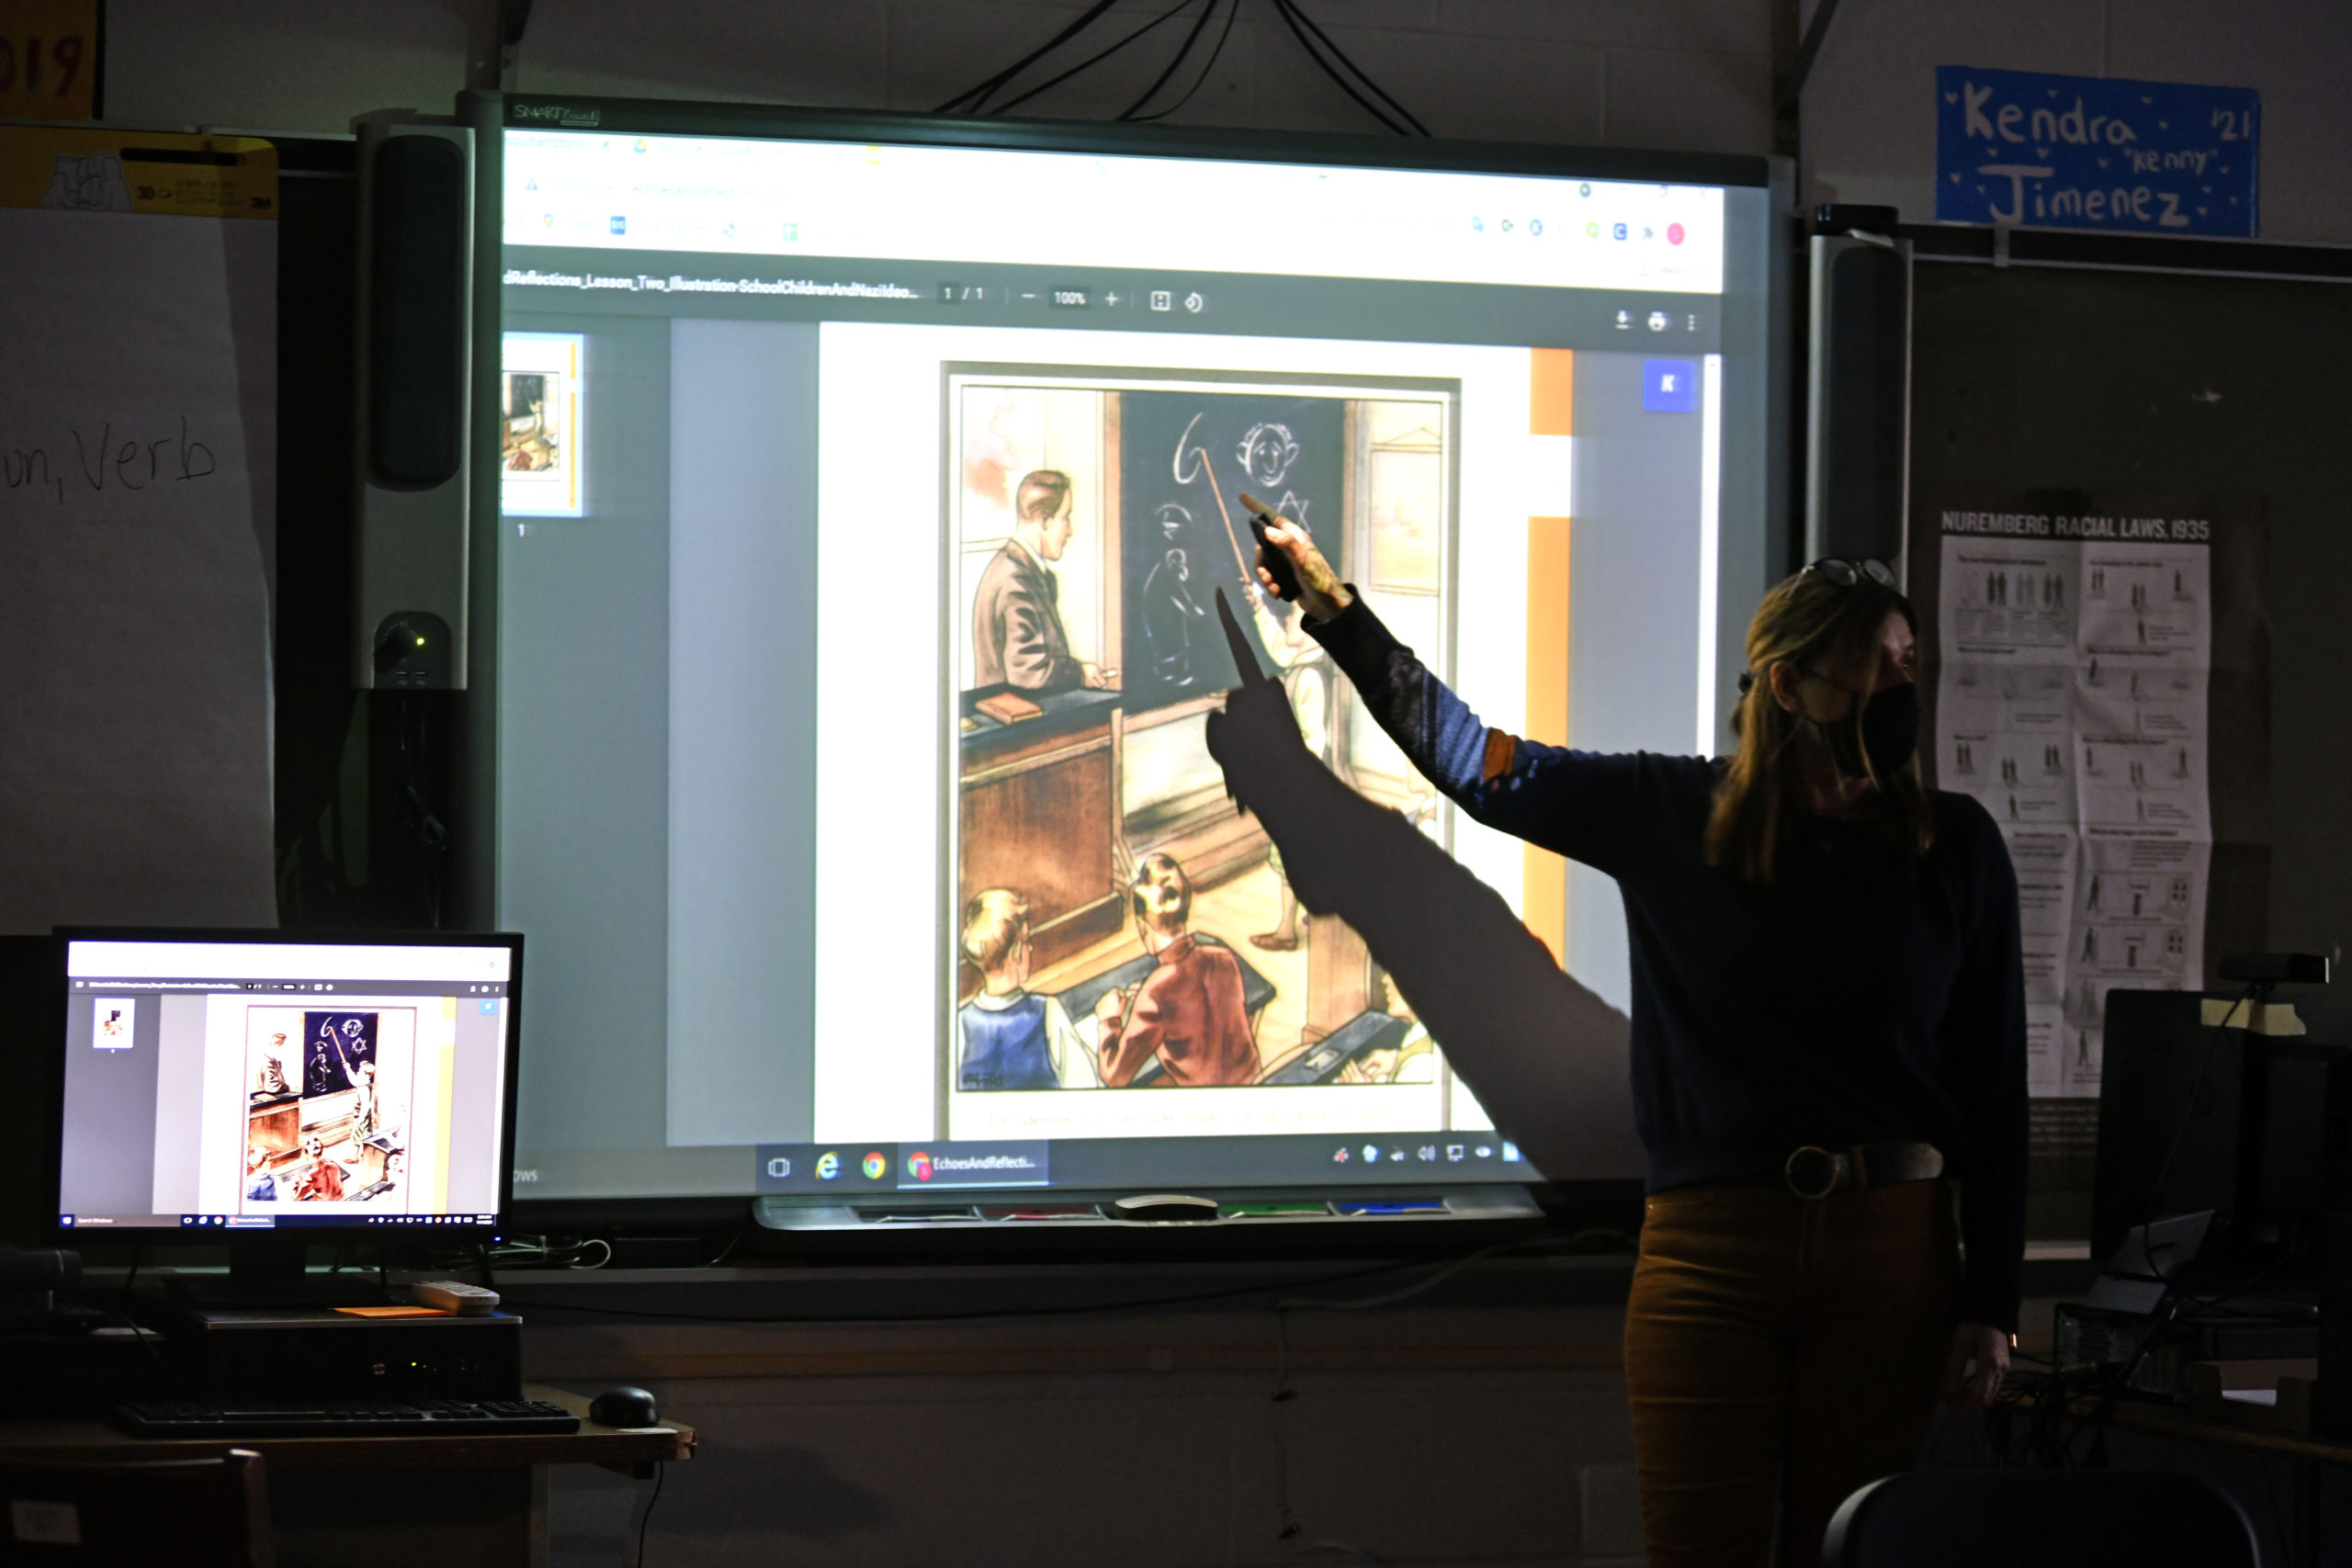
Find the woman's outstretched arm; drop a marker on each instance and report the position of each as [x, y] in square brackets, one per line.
[1578, 804]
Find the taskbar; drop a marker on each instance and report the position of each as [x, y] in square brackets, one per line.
[275, 1221]
[1357, 1158]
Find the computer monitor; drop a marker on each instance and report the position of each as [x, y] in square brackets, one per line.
[299, 1085]
[865, 485]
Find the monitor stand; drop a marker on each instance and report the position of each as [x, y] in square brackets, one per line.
[268, 1269]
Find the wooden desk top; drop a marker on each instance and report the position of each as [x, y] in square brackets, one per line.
[96, 1440]
[2198, 1427]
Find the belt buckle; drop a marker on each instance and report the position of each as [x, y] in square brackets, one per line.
[1812, 1172]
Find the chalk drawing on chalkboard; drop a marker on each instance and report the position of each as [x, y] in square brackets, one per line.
[1191, 465]
[1172, 619]
[1268, 450]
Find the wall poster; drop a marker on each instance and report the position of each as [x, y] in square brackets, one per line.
[2097, 687]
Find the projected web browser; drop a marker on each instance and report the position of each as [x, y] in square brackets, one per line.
[865, 507]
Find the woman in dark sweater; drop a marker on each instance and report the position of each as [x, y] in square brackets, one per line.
[1828, 1032]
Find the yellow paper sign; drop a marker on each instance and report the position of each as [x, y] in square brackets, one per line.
[136, 171]
[49, 59]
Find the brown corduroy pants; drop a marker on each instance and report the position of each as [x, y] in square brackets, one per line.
[1781, 1353]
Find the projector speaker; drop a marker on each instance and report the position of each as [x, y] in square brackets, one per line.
[415, 358]
[1858, 407]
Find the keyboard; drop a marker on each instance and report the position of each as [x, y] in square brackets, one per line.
[354, 1418]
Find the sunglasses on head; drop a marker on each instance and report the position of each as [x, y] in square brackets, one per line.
[1845, 573]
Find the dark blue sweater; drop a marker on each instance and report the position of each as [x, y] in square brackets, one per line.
[1865, 995]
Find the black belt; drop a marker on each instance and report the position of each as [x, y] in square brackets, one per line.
[1814, 1172]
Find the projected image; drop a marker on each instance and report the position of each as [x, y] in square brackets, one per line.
[1117, 924]
[539, 439]
[327, 1098]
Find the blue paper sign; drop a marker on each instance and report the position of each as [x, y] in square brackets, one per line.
[2030, 150]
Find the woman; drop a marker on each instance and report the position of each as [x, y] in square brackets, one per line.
[1828, 1027]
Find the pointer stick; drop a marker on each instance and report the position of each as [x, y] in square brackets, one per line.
[1240, 559]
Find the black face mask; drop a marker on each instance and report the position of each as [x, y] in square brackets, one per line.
[1887, 734]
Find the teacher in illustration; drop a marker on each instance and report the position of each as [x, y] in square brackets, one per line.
[1017, 635]
[1828, 1036]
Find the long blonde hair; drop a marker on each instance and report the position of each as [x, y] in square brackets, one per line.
[1804, 620]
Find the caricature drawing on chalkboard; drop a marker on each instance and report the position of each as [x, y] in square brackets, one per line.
[1267, 451]
[1071, 796]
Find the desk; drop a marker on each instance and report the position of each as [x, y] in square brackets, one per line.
[1040, 812]
[347, 1501]
[2307, 1455]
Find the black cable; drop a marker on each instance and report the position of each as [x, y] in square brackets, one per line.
[411, 807]
[2188, 1111]
[1094, 59]
[1175, 60]
[1283, 9]
[1206, 67]
[131, 1278]
[977, 97]
[147, 1342]
[1293, 8]
[482, 1256]
[660, 1473]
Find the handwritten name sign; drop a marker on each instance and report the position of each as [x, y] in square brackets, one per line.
[2024, 150]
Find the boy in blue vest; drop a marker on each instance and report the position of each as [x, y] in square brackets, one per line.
[1010, 1038]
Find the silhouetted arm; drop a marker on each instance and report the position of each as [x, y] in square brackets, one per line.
[1578, 804]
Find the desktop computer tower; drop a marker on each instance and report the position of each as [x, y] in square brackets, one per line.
[323, 1355]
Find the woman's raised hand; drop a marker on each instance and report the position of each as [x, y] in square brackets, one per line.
[1320, 593]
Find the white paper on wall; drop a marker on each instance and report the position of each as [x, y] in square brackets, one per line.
[2076, 656]
[137, 523]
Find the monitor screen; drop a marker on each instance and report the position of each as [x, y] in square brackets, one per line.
[866, 503]
[256, 1081]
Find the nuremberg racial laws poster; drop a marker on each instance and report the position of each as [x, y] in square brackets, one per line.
[2075, 658]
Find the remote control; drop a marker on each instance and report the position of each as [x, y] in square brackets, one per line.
[1285, 575]
[452, 1295]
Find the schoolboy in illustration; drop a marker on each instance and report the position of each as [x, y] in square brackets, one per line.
[1008, 1037]
[1189, 1011]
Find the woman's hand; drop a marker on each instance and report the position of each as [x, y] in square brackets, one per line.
[1972, 1373]
[1320, 593]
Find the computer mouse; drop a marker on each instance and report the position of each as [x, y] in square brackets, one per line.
[623, 1406]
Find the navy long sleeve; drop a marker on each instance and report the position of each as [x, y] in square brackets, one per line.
[1864, 995]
